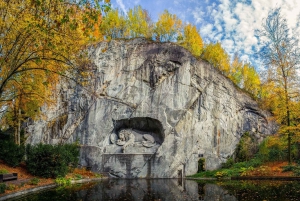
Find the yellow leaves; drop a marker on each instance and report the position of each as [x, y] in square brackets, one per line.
[217, 56]
[168, 27]
[138, 23]
[41, 40]
[192, 40]
[251, 80]
[113, 25]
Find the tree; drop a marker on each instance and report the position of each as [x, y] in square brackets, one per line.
[281, 56]
[217, 56]
[251, 80]
[236, 71]
[113, 25]
[168, 27]
[37, 44]
[139, 23]
[192, 40]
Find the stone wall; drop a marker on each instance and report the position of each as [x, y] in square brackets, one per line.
[171, 105]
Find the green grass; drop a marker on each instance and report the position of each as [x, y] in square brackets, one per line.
[235, 170]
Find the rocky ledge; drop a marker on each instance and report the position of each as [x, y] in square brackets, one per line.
[150, 110]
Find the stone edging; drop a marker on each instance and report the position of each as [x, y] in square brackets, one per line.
[200, 178]
[40, 188]
[284, 178]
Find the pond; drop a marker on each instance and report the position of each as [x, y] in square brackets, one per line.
[173, 190]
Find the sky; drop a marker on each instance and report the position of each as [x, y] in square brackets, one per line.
[231, 22]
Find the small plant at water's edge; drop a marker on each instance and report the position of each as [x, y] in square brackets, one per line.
[78, 176]
[61, 181]
[34, 181]
[97, 175]
[220, 175]
[11, 187]
[246, 171]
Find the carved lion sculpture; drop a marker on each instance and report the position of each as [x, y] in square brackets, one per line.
[126, 139]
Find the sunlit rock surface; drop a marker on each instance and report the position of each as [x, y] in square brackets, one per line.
[172, 108]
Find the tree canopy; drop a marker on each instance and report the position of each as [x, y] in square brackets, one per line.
[37, 45]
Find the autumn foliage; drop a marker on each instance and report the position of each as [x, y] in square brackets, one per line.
[42, 40]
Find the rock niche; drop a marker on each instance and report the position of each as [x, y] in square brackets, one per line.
[150, 110]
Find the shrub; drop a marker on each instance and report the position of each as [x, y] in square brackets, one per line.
[61, 181]
[3, 171]
[276, 154]
[46, 160]
[246, 148]
[295, 169]
[201, 163]
[228, 164]
[71, 152]
[11, 187]
[2, 188]
[273, 148]
[78, 176]
[220, 174]
[34, 181]
[98, 175]
[11, 153]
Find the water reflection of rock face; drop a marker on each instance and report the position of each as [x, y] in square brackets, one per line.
[160, 189]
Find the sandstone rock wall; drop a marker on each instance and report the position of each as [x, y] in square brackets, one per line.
[178, 109]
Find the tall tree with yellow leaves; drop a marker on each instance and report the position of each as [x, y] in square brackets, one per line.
[192, 40]
[37, 41]
[281, 56]
[217, 56]
[236, 73]
[139, 23]
[113, 25]
[168, 27]
[251, 80]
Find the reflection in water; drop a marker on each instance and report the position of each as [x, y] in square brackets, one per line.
[172, 189]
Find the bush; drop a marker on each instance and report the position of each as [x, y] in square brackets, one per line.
[273, 148]
[220, 174]
[229, 163]
[2, 188]
[201, 163]
[61, 181]
[246, 148]
[3, 171]
[47, 161]
[11, 153]
[34, 181]
[276, 154]
[11, 187]
[294, 168]
[71, 152]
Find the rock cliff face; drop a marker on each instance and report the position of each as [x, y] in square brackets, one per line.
[151, 110]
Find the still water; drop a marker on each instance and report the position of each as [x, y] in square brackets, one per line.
[173, 190]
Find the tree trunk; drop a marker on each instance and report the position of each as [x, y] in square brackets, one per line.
[19, 128]
[288, 120]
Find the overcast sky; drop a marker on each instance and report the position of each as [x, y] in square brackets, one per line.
[232, 22]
